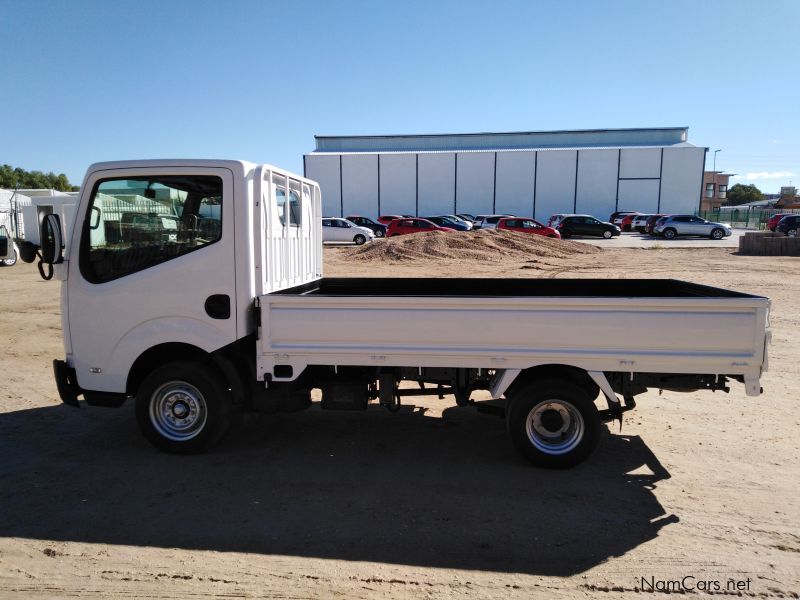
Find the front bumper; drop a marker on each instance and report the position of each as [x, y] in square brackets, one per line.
[69, 390]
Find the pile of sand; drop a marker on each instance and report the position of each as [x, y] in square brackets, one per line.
[488, 245]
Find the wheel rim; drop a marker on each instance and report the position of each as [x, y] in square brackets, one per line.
[669, 234]
[379, 233]
[178, 411]
[360, 239]
[555, 427]
[716, 234]
[607, 234]
[792, 233]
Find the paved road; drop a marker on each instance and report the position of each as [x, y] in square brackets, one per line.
[637, 240]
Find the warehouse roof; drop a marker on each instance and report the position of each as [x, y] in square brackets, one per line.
[521, 140]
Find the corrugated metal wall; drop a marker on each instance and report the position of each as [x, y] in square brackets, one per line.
[596, 181]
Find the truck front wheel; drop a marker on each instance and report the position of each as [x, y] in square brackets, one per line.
[553, 423]
[183, 407]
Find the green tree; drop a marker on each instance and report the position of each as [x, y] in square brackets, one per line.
[11, 178]
[742, 194]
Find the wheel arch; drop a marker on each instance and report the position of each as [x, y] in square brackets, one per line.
[571, 373]
[159, 355]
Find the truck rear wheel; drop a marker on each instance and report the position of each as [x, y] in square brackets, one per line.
[553, 423]
[183, 407]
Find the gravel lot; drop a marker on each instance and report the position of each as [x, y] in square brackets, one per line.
[430, 503]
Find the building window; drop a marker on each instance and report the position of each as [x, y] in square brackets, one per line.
[723, 191]
[709, 190]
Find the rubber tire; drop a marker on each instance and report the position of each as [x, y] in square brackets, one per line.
[717, 234]
[215, 392]
[379, 233]
[359, 239]
[10, 262]
[791, 232]
[669, 234]
[524, 397]
[607, 235]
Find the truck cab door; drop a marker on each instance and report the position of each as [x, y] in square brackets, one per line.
[134, 283]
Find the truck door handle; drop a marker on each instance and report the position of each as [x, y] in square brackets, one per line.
[218, 306]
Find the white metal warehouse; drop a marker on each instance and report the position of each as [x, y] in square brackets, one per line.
[535, 173]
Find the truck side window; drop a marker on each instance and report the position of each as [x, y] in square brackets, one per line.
[134, 223]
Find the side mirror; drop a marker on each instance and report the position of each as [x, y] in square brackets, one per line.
[50, 237]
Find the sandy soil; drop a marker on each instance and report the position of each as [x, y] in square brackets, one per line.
[431, 502]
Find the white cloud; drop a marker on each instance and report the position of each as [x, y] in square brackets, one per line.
[776, 141]
[765, 175]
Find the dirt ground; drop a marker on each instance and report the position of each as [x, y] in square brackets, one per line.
[430, 502]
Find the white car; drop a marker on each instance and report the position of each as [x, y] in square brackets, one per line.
[8, 249]
[488, 221]
[342, 230]
[557, 218]
[639, 222]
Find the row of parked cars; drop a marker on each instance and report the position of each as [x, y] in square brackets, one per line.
[359, 229]
[670, 226]
[785, 223]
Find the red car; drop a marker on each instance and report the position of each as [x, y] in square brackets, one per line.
[386, 219]
[775, 219]
[403, 226]
[527, 226]
[625, 222]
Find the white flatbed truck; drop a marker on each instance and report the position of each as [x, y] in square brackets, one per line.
[226, 309]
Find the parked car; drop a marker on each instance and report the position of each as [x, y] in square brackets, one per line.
[415, 225]
[554, 220]
[772, 224]
[467, 217]
[342, 230]
[443, 221]
[651, 223]
[458, 219]
[616, 217]
[639, 222]
[488, 221]
[676, 225]
[386, 219]
[625, 221]
[788, 225]
[8, 249]
[586, 225]
[379, 229]
[527, 226]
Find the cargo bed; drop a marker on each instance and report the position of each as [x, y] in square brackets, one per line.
[611, 325]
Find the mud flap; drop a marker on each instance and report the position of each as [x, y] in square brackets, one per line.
[66, 383]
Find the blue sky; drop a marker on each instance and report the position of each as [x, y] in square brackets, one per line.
[85, 81]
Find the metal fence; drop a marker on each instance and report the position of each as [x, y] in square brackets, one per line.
[745, 217]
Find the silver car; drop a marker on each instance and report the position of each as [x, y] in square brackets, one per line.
[675, 225]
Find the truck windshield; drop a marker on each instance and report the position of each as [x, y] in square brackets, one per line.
[132, 224]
